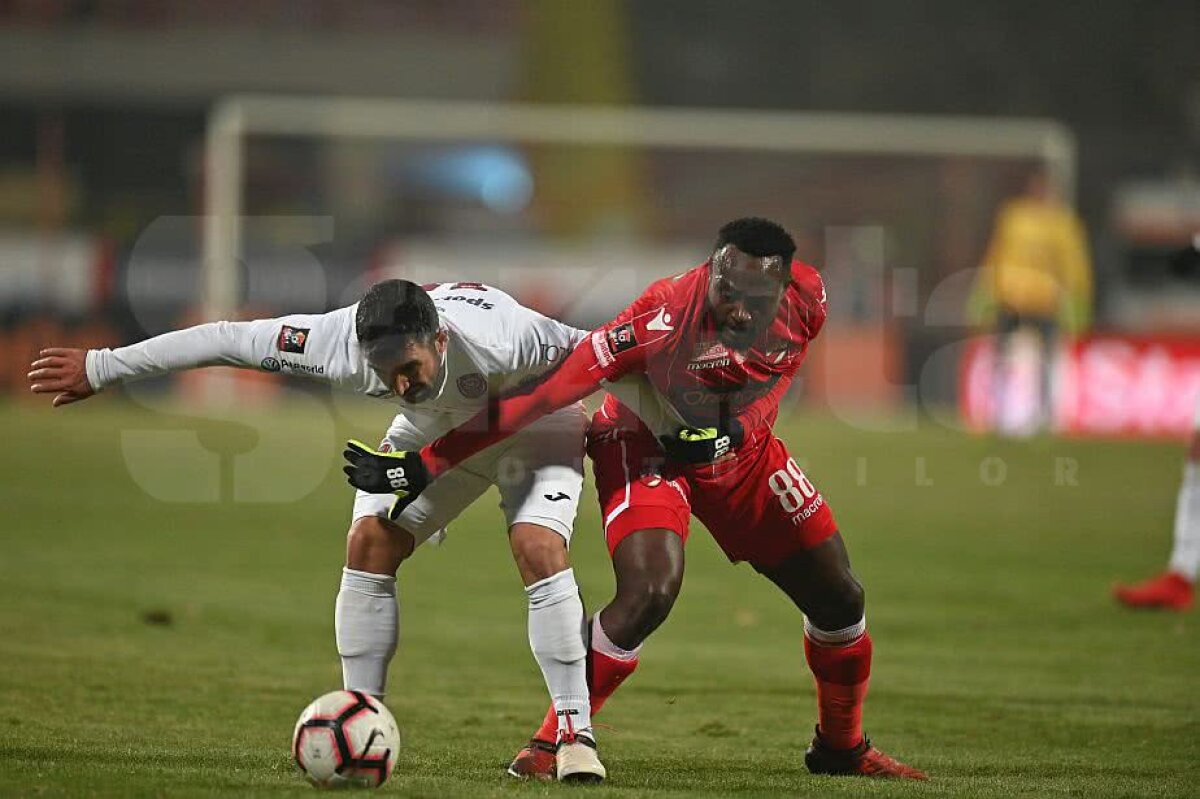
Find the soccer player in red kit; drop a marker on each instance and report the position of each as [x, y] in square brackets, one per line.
[695, 369]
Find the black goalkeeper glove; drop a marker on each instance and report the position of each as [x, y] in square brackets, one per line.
[400, 473]
[697, 445]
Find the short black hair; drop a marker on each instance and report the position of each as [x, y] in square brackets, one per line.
[756, 236]
[396, 310]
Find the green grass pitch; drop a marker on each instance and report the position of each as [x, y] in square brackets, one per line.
[155, 648]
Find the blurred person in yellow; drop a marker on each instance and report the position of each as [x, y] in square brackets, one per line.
[1035, 282]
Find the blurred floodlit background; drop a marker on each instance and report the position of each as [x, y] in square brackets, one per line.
[126, 124]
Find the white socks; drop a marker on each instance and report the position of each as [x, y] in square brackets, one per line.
[603, 644]
[556, 636]
[367, 623]
[1185, 554]
[842, 637]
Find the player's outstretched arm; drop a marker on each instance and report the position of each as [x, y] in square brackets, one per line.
[61, 371]
[300, 345]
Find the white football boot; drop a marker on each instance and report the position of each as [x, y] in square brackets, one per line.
[578, 761]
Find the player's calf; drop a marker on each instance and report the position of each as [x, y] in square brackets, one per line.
[366, 615]
[649, 570]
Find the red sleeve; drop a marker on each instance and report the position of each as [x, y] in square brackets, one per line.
[577, 376]
[766, 407]
[609, 353]
[625, 344]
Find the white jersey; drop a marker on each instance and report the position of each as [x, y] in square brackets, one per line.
[495, 343]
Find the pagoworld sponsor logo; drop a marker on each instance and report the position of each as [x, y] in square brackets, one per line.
[300, 368]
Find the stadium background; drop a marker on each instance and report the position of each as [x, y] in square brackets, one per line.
[165, 555]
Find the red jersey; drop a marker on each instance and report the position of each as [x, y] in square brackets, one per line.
[669, 335]
[665, 365]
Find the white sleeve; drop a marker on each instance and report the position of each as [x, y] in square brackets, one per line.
[539, 343]
[320, 346]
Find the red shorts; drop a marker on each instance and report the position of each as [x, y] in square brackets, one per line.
[758, 505]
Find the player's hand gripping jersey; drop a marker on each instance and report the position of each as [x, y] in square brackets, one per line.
[665, 369]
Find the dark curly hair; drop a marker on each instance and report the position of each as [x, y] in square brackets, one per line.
[756, 236]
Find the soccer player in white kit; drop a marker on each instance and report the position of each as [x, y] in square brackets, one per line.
[1175, 588]
[440, 350]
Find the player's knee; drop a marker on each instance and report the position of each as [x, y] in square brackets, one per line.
[654, 600]
[377, 545]
[540, 553]
[847, 600]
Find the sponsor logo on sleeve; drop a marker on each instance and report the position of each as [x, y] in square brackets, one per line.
[603, 352]
[472, 385]
[301, 368]
[283, 365]
[292, 339]
[622, 338]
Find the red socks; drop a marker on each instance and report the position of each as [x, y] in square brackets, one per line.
[842, 671]
[608, 666]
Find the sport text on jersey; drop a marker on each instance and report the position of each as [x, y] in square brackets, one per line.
[478, 302]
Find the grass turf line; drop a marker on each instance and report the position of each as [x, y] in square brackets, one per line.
[1001, 665]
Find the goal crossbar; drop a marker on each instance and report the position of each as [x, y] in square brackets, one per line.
[234, 118]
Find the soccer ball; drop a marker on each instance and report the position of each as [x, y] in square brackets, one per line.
[345, 739]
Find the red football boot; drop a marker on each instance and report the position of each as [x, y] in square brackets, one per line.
[1169, 590]
[537, 761]
[863, 760]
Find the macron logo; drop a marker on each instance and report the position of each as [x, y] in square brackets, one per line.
[660, 322]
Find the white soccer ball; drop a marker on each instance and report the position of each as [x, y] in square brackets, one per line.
[346, 739]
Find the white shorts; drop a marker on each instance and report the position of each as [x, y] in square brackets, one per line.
[539, 472]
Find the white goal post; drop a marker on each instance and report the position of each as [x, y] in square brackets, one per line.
[234, 118]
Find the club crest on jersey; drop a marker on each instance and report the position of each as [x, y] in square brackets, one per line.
[292, 339]
[472, 385]
[709, 355]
